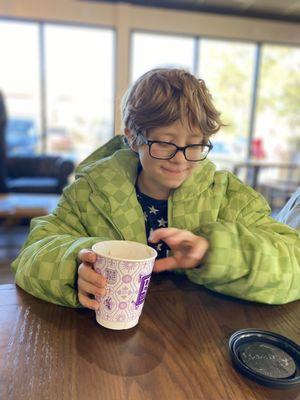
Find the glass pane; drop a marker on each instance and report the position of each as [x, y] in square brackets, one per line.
[278, 118]
[20, 84]
[277, 128]
[153, 50]
[227, 68]
[79, 87]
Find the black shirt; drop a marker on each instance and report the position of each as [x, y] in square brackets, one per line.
[156, 216]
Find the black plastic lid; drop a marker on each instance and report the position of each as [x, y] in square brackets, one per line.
[266, 357]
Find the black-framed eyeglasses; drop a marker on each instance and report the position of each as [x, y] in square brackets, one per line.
[166, 150]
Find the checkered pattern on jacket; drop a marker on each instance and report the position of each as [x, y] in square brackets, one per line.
[251, 256]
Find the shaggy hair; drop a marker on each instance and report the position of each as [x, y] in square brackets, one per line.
[164, 95]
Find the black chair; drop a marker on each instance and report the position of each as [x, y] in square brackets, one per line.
[37, 174]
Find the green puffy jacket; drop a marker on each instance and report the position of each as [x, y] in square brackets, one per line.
[251, 256]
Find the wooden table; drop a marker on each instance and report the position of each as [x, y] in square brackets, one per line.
[179, 350]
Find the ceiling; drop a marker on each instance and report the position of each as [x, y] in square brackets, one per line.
[282, 10]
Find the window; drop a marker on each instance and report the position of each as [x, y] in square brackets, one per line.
[227, 68]
[277, 115]
[79, 89]
[78, 86]
[20, 84]
[153, 50]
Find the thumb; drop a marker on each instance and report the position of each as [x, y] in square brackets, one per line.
[165, 264]
[87, 255]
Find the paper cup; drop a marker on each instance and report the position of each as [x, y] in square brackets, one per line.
[127, 267]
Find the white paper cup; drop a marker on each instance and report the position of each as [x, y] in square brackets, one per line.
[127, 267]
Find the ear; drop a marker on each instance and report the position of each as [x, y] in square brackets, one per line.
[130, 138]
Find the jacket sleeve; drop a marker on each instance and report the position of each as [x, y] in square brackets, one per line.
[254, 258]
[47, 264]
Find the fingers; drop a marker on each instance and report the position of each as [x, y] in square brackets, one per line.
[170, 234]
[165, 264]
[201, 249]
[86, 273]
[86, 301]
[177, 261]
[162, 234]
[90, 283]
[174, 238]
[91, 289]
[183, 240]
[87, 255]
[188, 249]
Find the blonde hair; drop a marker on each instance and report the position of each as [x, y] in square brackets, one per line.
[164, 95]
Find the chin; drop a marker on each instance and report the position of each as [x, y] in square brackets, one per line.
[174, 185]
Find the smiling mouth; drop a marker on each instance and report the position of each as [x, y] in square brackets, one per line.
[173, 172]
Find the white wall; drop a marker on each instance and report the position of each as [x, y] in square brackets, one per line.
[125, 18]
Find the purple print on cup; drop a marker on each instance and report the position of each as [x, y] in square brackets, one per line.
[111, 275]
[126, 279]
[108, 303]
[145, 281]
[127, 267]
[122, 305]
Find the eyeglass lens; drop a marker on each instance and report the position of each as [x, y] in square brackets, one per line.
[168, 150]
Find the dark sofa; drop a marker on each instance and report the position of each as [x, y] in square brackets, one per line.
[37, 174]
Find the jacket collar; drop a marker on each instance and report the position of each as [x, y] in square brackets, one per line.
[200, 180]
[115, 177]
[112, 181]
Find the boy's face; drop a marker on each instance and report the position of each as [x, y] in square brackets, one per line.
[158, 177]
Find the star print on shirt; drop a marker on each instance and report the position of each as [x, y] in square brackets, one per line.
[158, 247]
[162, 222]
[155, 213]
[153, 210]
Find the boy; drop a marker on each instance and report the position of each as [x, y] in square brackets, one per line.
[161, 186]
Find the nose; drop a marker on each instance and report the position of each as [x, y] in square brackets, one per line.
[179, 157]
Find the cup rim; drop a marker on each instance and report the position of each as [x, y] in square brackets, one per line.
[155, 254]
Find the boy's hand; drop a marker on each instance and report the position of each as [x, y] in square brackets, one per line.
[89, 281]
[188, 250]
